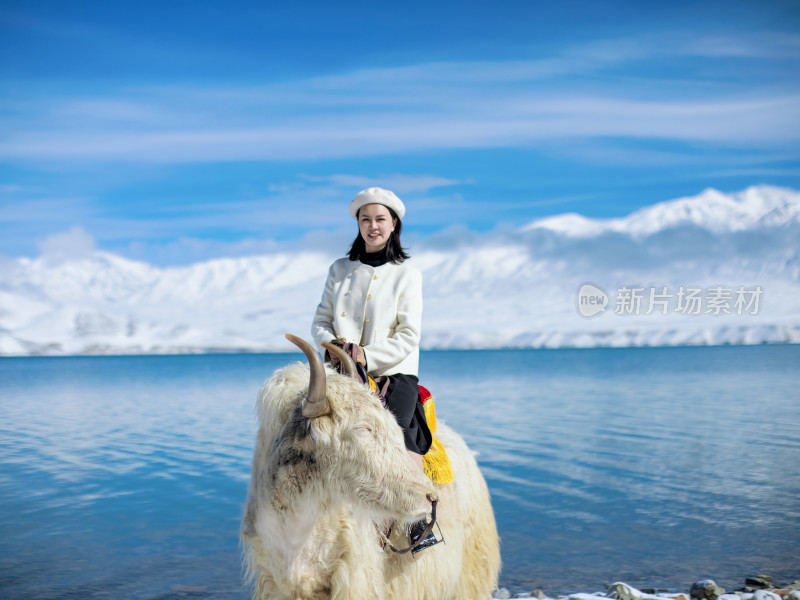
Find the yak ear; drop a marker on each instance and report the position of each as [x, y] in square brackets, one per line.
[316, 403]
[348, 366]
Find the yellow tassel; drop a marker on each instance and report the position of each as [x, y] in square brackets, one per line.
[436, 462]
[430, 414]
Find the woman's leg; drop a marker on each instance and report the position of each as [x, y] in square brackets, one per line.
[402, 399]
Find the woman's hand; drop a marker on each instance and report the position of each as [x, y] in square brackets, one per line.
[360, 358]
[341, 343]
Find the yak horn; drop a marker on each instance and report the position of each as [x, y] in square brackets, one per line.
[348, 366]
[316, 404]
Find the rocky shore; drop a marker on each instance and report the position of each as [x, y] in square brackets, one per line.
[761, 587]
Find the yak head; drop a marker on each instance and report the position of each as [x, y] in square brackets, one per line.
[329, 438]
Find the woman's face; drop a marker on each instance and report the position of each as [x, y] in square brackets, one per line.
[376, 225]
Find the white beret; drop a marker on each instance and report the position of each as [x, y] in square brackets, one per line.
[376, 195]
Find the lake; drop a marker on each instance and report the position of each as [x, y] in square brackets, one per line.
[125, 477]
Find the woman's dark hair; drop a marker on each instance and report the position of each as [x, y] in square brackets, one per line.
[395, 252]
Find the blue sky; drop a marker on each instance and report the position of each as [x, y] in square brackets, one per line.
[182, 131]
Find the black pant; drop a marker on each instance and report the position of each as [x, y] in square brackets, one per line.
[402, 398]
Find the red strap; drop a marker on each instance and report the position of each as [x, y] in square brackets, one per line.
[424, 395]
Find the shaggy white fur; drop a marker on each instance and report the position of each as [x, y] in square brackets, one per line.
[319, 486]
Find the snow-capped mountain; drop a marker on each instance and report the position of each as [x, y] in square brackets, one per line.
[755, 207]
[711, 269]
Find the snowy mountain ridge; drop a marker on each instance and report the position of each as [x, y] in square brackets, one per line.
[489, 293]
[755, 207]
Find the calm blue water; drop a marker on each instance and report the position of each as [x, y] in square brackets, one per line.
[124, 477]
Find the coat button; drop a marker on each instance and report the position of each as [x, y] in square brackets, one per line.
[344, 314]
[349, 292]
[366, 321]
[369, 297]
[355, 270]
[375, 277]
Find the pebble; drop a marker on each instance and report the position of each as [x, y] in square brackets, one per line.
[765, 589]
[623, 591]
[706, 590]
[759, 581]
[765, 595]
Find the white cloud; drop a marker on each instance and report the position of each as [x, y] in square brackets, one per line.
[755, 172]
[397, 183]
[583, 93]
[24, 205]
[305, 211]
[509, 121]
[74, 243]
[187, 250]
[774, 44]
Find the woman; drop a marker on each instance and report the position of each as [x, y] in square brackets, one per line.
[373, 299]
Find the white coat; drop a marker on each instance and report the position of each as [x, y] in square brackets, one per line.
[379, 308]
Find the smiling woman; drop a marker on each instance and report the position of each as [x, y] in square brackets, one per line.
[375, 224]
[379, 213]
[373, 300]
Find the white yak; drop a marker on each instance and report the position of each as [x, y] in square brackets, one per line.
[330, 468]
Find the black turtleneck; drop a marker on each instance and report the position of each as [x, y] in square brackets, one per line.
[374, 259]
